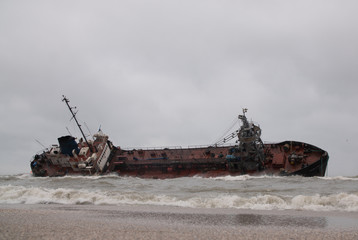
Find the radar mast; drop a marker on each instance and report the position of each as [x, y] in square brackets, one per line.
[74, 117]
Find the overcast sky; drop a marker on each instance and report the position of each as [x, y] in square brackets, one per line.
[177, 73]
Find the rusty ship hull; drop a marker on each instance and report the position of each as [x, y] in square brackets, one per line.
[249, 155]
[285, 158]
[206, 161]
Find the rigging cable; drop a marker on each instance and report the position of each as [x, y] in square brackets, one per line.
[223, 136]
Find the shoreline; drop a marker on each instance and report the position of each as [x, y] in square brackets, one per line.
[43, 221]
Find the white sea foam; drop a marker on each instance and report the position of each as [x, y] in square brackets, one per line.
[30, 176]
[224, 178]
[17, 176]
[340, 178]
[243, 177]
[38, 195]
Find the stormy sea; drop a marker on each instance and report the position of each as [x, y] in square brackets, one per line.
[204, 207]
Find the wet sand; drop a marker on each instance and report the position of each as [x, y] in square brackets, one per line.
[162, 222]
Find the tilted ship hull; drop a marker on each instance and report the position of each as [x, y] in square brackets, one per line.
[249, 156]
[285, 158]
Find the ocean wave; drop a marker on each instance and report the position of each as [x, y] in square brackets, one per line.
[243, 177]
[93, 177]
[38, 195]
[223, 178]
[339, 178]
[16, 176]
[30, 176]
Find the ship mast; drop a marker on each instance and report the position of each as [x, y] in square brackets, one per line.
[74, 117]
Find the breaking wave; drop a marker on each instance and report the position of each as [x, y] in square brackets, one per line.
[249, 177]
[245, 177]
[38, 195]
[340, 178]
[224, 178]
[30, 176]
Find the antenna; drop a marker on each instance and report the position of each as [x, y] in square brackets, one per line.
[40, 143]
[68, 131]
[88, 129]
[244, 110]
[74, 117]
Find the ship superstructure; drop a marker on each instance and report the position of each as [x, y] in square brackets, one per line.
[86, 157]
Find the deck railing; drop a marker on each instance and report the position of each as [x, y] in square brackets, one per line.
[177, 147]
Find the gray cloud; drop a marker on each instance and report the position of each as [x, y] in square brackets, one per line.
[178, 72]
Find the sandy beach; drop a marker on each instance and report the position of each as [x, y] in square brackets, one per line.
[158, 222]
